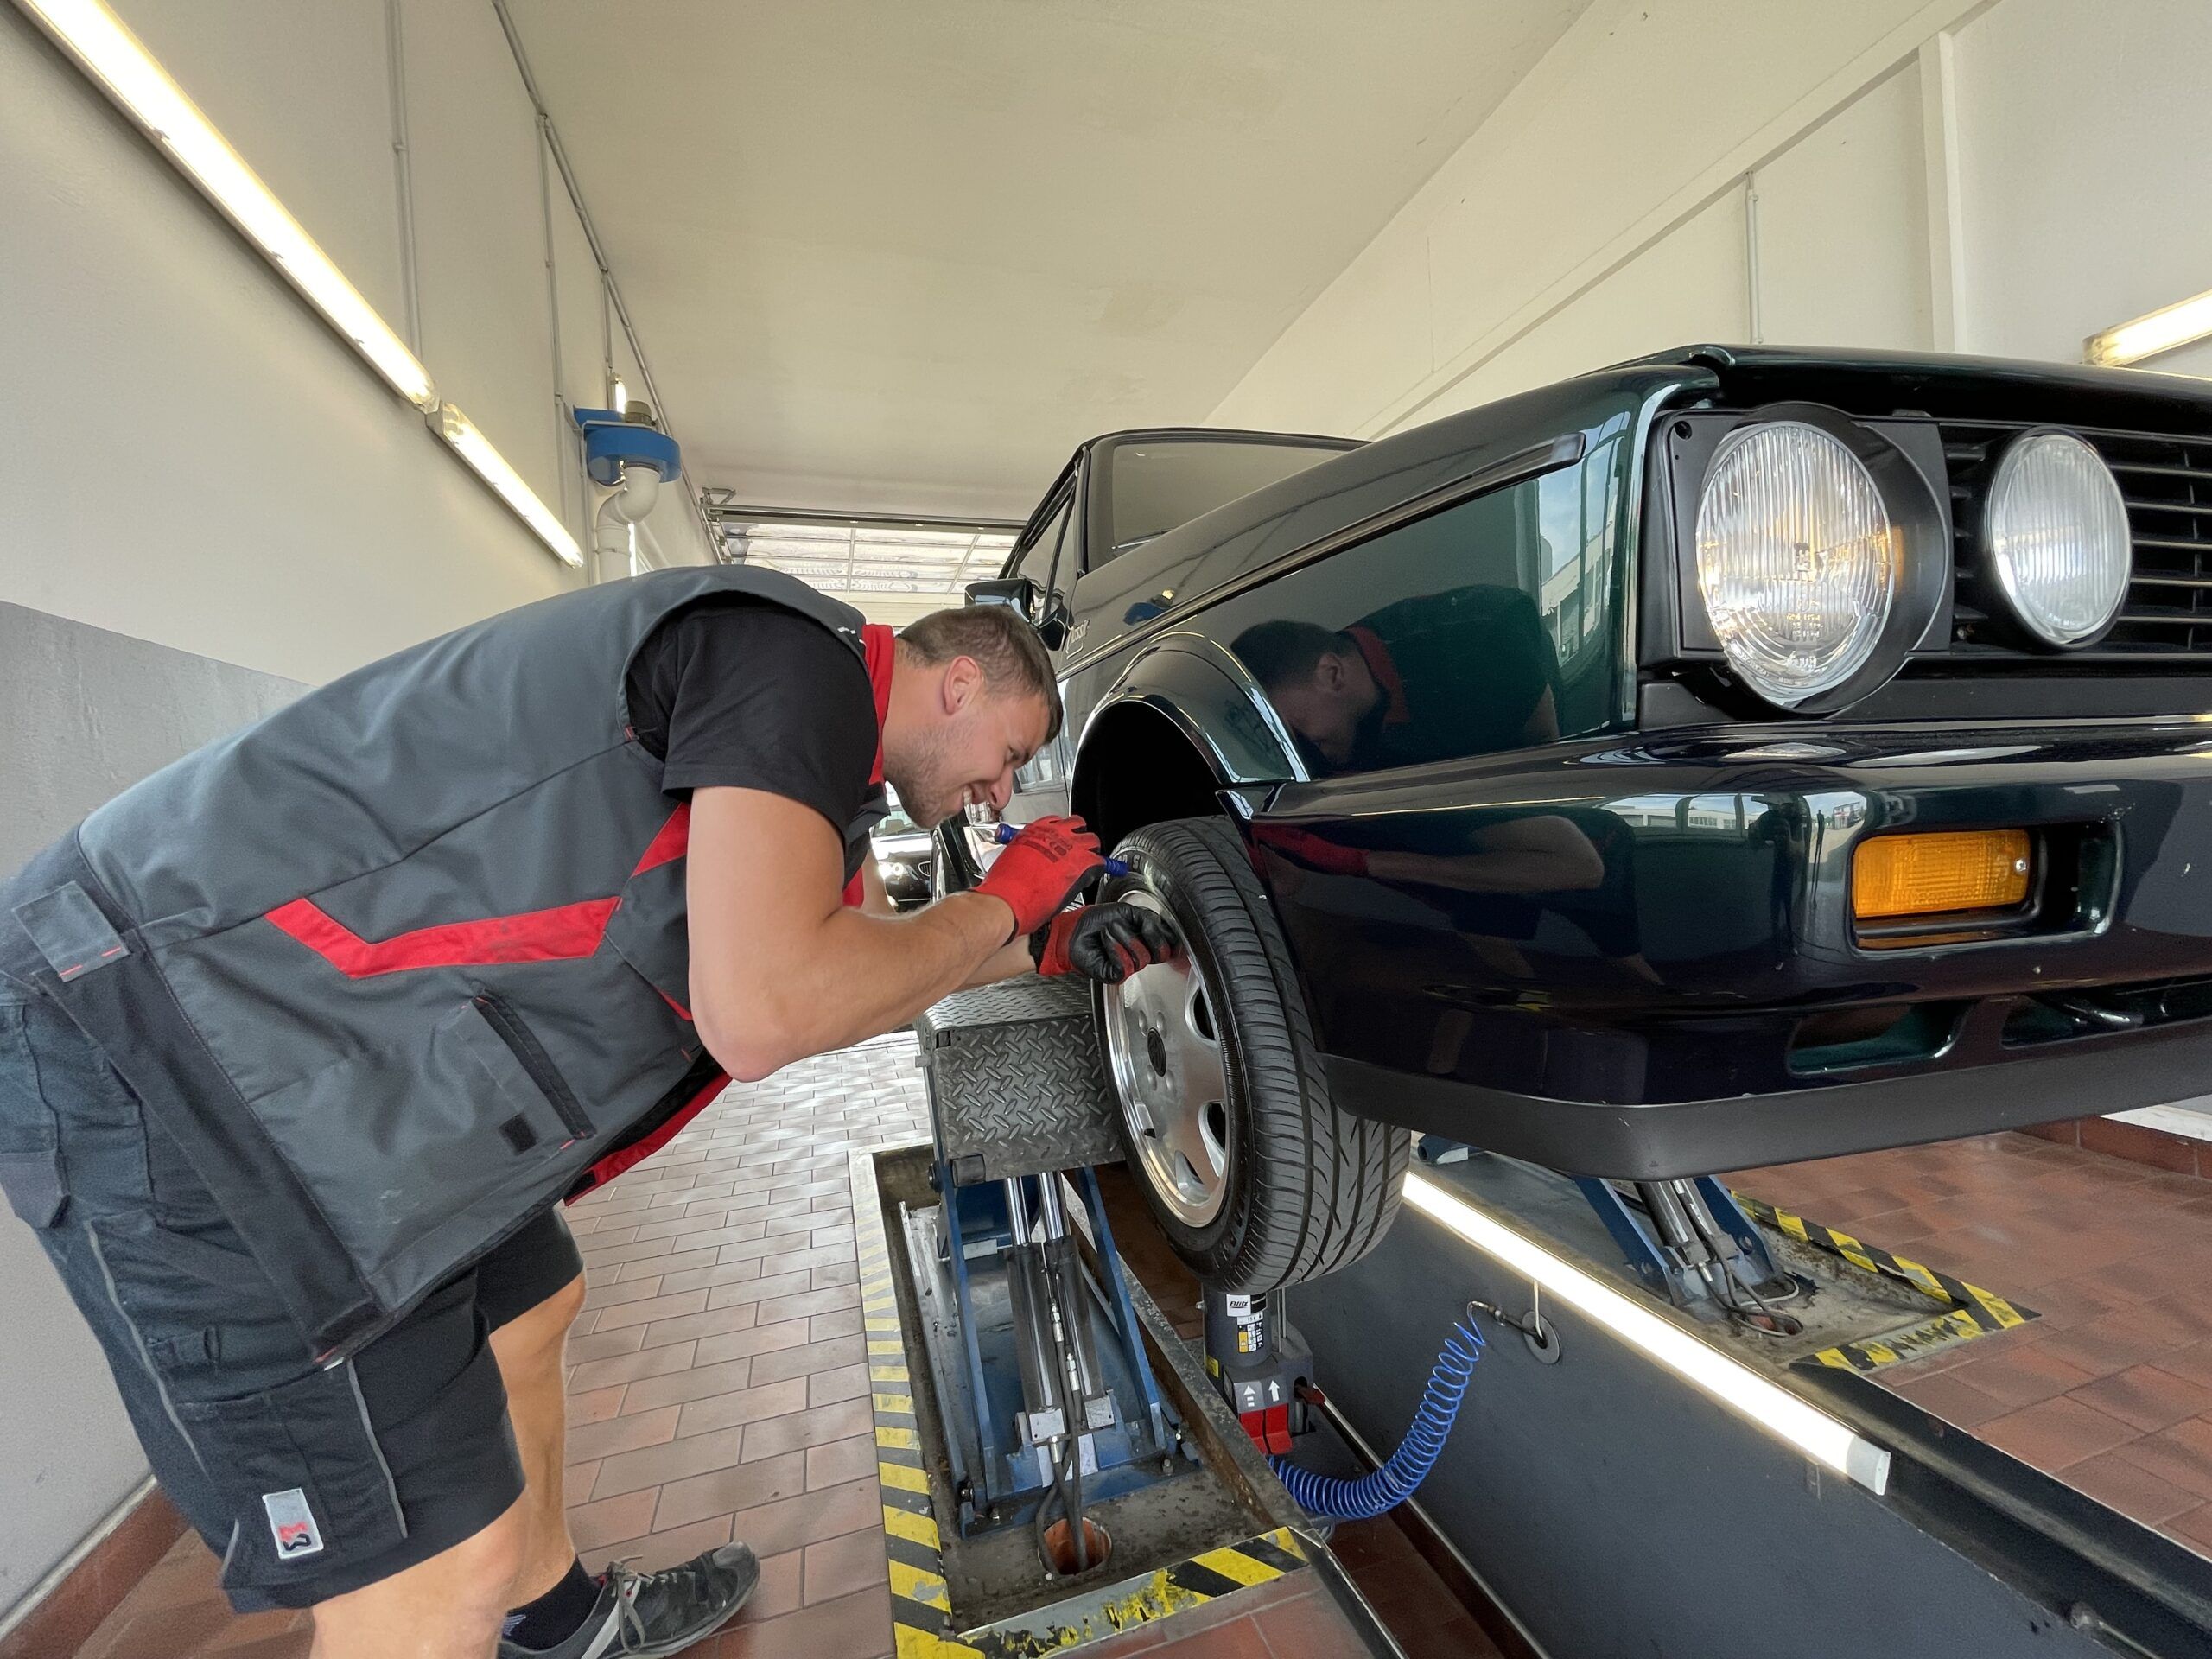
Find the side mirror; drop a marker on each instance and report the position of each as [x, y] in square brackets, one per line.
[1053, 626]
[1021, 592]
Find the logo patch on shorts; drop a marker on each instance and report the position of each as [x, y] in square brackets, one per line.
[292, 1524]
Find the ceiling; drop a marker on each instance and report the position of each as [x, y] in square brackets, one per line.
[905, 257]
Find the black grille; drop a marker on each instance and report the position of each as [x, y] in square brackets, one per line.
[2167, 483]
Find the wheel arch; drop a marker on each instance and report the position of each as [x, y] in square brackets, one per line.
[1182, 724]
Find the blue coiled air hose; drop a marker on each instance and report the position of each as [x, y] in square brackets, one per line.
[1394, 1483]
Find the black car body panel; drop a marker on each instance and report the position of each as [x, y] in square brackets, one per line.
[1565, 892]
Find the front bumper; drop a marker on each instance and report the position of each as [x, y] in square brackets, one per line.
[1661, 975]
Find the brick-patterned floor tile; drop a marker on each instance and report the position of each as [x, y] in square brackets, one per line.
[623, 1433]
[696, 1384]
[778, 1590]
[677, 1265]
[790, 1523]
[700, 1321]
[2052, 1434]
[841, 1566]
[2115, 1482]
[596, 1344]
[839, 1461]
[657, 1550]
[629, 1367]
[769, 1400]
[852, 1627]
[694, 1454]
[806, 1360]
[2146, 1397]
[758, 1288]
[753, 1341]
[594, 1405]
[846, 1382]
[2193, 1527]
[803, 1428]
[657, 1311]
[837, 1299]
[722, 1490]
[607, 1519]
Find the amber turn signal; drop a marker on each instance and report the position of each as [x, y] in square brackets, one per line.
[1936, 874]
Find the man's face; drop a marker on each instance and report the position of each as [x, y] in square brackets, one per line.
[966, 747]
[1326, 708]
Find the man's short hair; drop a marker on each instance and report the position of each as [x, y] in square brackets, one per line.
[1284, 653]
[1014, 659]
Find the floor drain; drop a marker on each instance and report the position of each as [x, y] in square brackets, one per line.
[1059, 1547]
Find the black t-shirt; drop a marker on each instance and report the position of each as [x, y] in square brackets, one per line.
[742, 693]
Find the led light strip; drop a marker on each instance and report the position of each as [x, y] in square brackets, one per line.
[114, 58]
[2147, 336]
[473, 447]
[1734, 1384]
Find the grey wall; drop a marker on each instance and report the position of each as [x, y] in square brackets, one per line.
[83, 714]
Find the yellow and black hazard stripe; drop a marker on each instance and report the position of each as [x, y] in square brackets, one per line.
[919, 1603]
[1969, 1311]
[1146, 1599]
[921, 1610]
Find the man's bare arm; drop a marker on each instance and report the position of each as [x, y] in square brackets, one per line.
[1010, 961]
[780, 967]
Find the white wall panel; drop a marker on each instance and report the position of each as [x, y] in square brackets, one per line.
[1688, 287]
[1843, 228]
[302, 90]
[2086, 136]
[1644, 111]
[480, 225]
[217, 470]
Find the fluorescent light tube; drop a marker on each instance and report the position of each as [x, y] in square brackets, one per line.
[1734, 1384]
[473, 447]
[112, 56]
[2147, 336]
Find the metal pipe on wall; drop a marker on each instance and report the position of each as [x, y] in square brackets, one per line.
[613, 291]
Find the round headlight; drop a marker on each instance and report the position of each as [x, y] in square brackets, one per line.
[1796, 559]
[2058, 538]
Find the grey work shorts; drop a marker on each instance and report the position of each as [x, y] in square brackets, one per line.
[307, 1482]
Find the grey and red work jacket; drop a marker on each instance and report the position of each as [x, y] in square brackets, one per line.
[407, 961]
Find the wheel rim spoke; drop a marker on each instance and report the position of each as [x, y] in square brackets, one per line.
[1163, 1045]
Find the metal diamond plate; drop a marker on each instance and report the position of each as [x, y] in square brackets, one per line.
[1015, 1083]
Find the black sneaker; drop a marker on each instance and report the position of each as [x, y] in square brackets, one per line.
[650, 1615]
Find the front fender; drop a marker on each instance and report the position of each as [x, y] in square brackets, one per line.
[1204, 693]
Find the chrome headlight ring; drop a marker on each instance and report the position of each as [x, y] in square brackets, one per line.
[1819, 555]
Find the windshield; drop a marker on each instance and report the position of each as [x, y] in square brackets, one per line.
[895, 822]
[1157, 485]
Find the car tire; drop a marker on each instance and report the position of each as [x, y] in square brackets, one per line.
[1304, 1188]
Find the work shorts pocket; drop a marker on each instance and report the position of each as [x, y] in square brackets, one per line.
[30, 1157]
[298, 1469]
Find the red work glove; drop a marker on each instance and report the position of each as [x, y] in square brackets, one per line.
[1303, 847]
[1041, 869]
[1107, 943]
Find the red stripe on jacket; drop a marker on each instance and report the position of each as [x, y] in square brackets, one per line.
[563, 933]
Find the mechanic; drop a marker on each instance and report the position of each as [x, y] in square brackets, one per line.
[303, 1038]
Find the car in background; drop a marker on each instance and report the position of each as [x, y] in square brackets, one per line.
[904, 854]
[1736, 756]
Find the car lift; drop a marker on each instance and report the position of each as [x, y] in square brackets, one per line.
[1053, 1414]
[1686, 1239]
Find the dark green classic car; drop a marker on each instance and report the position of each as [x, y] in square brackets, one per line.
[1732, 756]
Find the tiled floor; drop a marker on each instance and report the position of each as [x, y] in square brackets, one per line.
[2111, 1390]
[717, 1388]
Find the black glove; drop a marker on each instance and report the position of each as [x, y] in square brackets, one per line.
[1107, 943]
